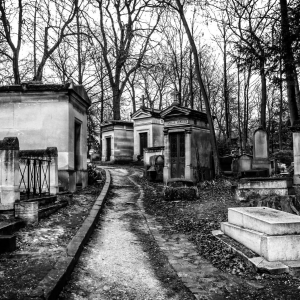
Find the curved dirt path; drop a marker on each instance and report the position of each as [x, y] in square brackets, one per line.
[114, 264]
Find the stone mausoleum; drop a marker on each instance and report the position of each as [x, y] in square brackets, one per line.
[49, 115]
[117, 141]
[147, 130]
[187, 151]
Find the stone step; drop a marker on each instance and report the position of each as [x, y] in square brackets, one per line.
[272, 248]
[11, 227]
[265, 220]
[8, 243]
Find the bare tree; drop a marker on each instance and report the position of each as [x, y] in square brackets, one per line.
[123, 39]
[7, 13]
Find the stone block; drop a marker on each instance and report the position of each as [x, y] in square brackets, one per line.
[262, 183]
[266, 220]
[249, 238]
[280, 248]
[272, 248]
[272, 267]
[8, 243]
[27, 211]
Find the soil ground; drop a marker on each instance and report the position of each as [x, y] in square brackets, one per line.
[121, 260]
[40, 246]
[196, 219]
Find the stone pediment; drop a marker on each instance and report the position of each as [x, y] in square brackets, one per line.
[141, 115]
[146, 112]
[175, 111]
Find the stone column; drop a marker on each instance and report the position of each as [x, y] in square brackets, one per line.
[166, 171]
[53, 154]
[103, 154]
[10, 174]
[188, 171]
[296, 151]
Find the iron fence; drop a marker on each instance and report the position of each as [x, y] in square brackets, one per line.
[34, 176]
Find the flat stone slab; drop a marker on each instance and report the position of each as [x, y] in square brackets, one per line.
[272, 248]
[267, 183]
[264, 220]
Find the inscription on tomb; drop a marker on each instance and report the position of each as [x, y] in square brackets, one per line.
[175, 122]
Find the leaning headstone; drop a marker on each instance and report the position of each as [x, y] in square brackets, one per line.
[261, 150]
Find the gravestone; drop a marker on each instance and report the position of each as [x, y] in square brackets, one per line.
[245, 163]
[261, 150]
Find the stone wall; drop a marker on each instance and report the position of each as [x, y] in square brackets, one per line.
[42, 115]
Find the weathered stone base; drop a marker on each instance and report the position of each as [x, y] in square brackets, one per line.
[68, 179]
[272, 234]
[272, 248]
[257, 262]
[27, 211]
[277, 193]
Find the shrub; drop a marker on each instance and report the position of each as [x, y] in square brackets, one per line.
[93, 174]
[180, 193]
[284, 156]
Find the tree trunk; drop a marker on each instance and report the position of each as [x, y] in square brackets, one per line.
[225, 90]
[116, 103]
[78, 45]
[34, 40]
[207, 104]
[191, 81]
[280, 107]
[246, 108]
[39, 73]
[297, 92]
[239, 105]
[288, 61]
[16, 71]
[263, 94]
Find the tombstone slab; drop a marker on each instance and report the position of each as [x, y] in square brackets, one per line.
[265, 220]
[261, 150]
[271, 247]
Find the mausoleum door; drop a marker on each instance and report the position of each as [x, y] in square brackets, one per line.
[108, 149]
[177, 154]
[143, 142]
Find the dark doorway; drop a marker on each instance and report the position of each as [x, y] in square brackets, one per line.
[108, 149]
[143, 142]
[77, 143]
[177, 157]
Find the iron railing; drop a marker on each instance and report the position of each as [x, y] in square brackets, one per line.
[34, 176]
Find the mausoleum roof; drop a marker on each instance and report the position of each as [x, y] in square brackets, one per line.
[116, 122]
[175, 110]
[144, 111]
[27, 87]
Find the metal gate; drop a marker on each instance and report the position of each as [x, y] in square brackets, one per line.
[35, 177]
[177, 154]
[143, 142]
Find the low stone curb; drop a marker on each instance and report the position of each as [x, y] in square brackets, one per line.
[50, 287]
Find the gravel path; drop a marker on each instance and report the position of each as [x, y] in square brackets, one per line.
[114, 264]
